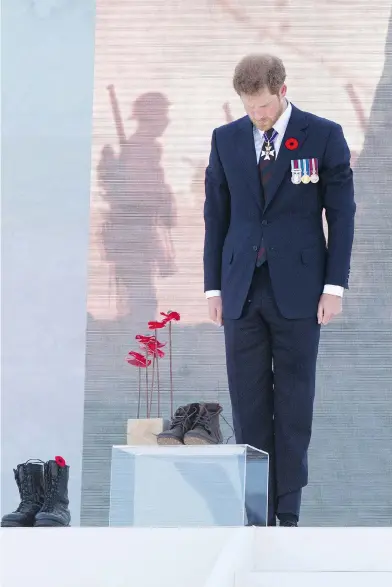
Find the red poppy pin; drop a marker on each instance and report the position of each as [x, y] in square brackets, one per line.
[291, 144]
[60, 461]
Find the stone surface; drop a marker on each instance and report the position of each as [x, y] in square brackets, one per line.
[145, 431]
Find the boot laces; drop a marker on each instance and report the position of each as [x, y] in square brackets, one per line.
[182, 418]
[25, 486]
[24, 491]
[204, 420]
[51, 485]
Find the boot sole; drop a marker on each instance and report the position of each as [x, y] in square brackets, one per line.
[15, 525]
[51, 525]
[169, 441]
[197, 440]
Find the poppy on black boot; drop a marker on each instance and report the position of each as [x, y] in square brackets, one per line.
[29, 478]
[206, 428]
[55, 511]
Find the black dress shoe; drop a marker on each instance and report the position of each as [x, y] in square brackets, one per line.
[289, 523]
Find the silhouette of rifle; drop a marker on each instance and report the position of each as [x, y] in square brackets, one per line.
[117, 115]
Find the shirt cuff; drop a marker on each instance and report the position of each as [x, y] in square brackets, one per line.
[213, 293]
[334, 290]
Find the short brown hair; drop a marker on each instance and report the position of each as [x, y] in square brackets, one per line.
[256, 72]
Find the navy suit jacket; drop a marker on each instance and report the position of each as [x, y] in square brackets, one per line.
[290, 221]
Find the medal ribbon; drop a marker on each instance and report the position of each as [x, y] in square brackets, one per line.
[273, 137]
[304, 166]
[295, 166]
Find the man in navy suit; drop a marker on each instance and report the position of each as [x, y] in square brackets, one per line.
[270, 277]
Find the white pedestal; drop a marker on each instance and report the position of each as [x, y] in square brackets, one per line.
[188, 486]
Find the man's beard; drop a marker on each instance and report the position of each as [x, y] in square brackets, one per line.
[270, 123]
[264, 125]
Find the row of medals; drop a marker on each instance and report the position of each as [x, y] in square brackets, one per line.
[296, 174]
[297, 177]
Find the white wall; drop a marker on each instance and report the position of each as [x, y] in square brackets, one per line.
[47, 88]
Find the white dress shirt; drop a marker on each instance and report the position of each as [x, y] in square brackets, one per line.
[280, 127]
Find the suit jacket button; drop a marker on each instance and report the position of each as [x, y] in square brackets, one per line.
[264, 222]
[255, 248]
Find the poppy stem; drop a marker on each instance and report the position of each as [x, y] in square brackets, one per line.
[158, 390]
[152, 382]
[139, 396]
[147, 396]
[171, 370]
[158, 386]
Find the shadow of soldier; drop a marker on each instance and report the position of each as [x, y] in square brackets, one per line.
[136, 232]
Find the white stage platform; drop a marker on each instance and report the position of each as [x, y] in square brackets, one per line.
[216, 557]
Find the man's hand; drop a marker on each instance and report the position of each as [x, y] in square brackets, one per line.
[329, 307]
[215, 309]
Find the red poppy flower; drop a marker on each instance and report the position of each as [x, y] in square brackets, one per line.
[155, 344]
[137, 360]
[144, 339]
[150, 341]
[153, 351]
[156, 325]
[171, 316]
[60, 461]
[153, 347]
[291, 144]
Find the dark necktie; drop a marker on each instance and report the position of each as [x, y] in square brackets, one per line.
[266, 166]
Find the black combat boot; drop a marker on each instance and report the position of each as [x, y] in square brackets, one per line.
[182, 421]
[29, 478]
[55, 511]
[206, 428]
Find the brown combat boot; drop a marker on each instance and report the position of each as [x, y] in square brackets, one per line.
[182, 421]
[206, 428]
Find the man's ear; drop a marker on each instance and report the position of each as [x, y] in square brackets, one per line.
[283, 91]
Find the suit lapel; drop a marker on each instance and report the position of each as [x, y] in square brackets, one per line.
[297, 129]
[246, 153]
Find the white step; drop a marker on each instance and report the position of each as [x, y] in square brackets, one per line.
[122, 557]
[345, 550]
[314, 580]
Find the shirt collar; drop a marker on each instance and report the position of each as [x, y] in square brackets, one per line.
[282, 122]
